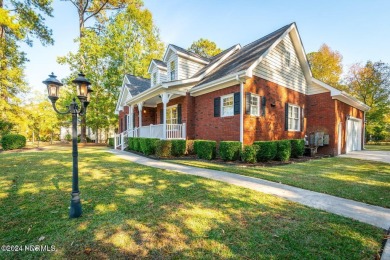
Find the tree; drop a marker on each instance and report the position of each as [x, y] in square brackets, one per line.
[20, 21]
[98, 9]
[126, 43]
[205, 48]
[326, 65]
[371, 85]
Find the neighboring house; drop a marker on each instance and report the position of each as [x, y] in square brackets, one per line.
[261, 91]
[66, 132]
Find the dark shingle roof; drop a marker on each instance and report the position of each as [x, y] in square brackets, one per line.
[245, 57]
[193, 54]
[213, 60]
[160, 63]
[137, 84]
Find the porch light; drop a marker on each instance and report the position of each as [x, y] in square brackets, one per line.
[144, 111]
[53, 87]
[82, 87]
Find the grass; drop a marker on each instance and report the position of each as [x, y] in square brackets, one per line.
[374, 147]
[133, 211]
[354, 179]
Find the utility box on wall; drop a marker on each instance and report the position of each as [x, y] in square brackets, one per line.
[326, 139]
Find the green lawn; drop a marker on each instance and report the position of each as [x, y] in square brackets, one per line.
[374, 147]
[133, 211]
[354, 179]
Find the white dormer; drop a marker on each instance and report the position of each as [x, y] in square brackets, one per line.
[158, 72]
[182, 64]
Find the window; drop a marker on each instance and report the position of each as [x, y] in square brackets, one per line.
[286, 58]
[154, 79]
[254, 109]
[172, 115]
[293, 118]
[172, 67]
[227, 108]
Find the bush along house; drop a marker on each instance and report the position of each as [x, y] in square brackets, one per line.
[261, 91]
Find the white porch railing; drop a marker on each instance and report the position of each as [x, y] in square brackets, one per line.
[173, 131]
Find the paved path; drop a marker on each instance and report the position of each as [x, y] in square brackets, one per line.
[373, 215]
[380, 156]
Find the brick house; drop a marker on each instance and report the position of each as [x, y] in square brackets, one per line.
[261, 91]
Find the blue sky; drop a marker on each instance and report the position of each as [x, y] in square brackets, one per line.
[358, 29]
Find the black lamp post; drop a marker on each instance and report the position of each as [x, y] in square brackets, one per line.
[83, 94]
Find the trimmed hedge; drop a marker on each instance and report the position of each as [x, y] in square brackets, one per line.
[283, 150]
[13, 141]
[297, 147]
[249, 154]
[266, 150]
[205, 149]
[178, 147]
[136, 144]
[163, 148]
[111, 141]
[229, 150]
[148, 145]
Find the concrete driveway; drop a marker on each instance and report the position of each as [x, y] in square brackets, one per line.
[380, 156]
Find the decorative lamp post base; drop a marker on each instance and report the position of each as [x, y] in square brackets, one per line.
[75, 206]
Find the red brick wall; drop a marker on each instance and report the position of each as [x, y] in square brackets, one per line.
[215, 128]
[342, 110]
[272, 126]
[122, 115]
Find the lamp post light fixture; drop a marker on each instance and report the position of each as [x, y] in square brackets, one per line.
[83, 94]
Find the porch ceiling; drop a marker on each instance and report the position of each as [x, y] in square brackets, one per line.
[153, 101]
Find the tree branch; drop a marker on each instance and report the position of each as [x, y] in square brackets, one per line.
[97, 11]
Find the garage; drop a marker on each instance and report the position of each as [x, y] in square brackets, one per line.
[354, 134]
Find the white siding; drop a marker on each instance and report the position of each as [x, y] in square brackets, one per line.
[171, 57]
[188, 68]
[161, 76]
[271, 67]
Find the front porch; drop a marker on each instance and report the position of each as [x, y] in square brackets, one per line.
[172, 131]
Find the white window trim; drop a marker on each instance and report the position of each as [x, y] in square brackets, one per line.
[285, 63]
[170, 70]
[299, 118]
[258, 105]
[177, 115]
[154, 79]
[221, 108]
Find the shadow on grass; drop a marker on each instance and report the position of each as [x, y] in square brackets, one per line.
[132, 211]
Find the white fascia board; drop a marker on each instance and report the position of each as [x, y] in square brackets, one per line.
[170, 48]
[179, 82]
[235, 77]
[189, 57]
[150, 68]
[333, 91]
[348, 99]
[151, 92]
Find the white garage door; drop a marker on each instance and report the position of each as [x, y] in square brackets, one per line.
[354, 134]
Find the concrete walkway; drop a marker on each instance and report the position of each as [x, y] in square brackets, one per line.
[373, 215]
[379, 156]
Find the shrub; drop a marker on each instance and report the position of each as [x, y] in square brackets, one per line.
[136, 144]
[163, 148]
[249, 153]
[266, 150]
[111, 141]
[283, 152]
[68, 137]
[190, 147]
[205, 149]
[130, 143]
[178, 147]
[148, 145]
[13, 141]
[229, 150]
[297, 147]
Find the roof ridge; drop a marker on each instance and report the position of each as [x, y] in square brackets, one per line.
[137, 76]
[190, 52]
[268, 35]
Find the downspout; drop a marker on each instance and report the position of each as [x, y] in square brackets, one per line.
[241, 111]
[364, 130]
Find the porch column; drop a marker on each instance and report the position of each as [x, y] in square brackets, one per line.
[140, 104]
[165, 99]
[131, 112]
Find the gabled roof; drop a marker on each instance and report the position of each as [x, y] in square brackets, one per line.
[183, 52]
[243, 59]
[160, 63]
[137, 85]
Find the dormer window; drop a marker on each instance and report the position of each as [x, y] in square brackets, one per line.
[172, 67]
[154, 79]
